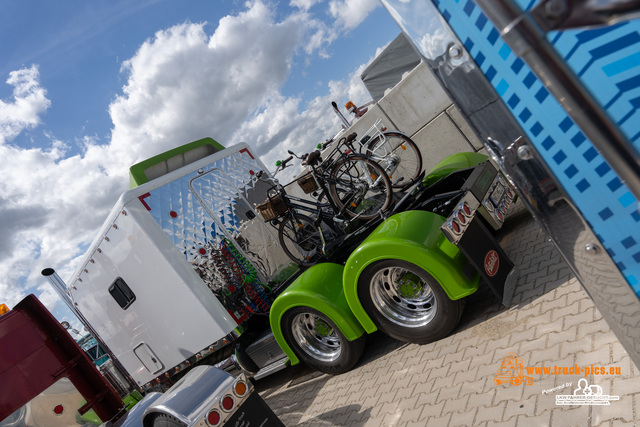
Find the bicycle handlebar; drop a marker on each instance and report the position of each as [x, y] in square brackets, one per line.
[283, 163]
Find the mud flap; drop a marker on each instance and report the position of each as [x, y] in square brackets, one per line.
[254, 412]
[487, 257]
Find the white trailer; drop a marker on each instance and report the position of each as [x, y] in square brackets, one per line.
[139, 287]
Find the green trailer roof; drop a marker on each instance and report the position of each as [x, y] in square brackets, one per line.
[171, 160]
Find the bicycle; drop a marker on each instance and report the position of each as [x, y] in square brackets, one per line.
[356, 188]
[395, 152]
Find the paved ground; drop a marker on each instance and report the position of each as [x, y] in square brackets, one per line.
[551, 322]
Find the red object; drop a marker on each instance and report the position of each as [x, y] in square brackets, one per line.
[144, 203]
[36, 352]
[491, 263]
[244, 150]
[58, 410]
[227, 403]
[239, 316]
[202, 251]
[213, 418]
[173, 214]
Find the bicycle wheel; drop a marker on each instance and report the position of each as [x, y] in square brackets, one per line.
[300, 239]
[399, 156]
[360, 186]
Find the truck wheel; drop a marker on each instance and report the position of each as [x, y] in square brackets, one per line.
[407, 303]
[164, 420]
[318, 342]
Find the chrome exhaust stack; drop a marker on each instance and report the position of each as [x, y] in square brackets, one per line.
[60, 287]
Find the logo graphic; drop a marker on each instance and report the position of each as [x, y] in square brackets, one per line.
[585, 394]
[511, 370]
[491, 263]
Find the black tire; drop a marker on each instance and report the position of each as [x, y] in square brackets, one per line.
[164, 420]
[407, 303]
[362, 185]
[399, 156]
[318, 342]
[300, 239]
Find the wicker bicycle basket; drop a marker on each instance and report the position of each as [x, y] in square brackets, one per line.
[308, 183]
[272, 208]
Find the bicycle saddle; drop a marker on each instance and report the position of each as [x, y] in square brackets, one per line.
[312, 158]
[351, 137]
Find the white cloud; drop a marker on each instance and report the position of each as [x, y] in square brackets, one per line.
[303, 4]
[350, 13]
[29, 101]
[184, 84]
[181, 85]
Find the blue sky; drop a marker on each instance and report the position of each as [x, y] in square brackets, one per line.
[89, 88]
[79, 48]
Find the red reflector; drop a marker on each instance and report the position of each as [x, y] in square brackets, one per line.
[173, 214]
[347, 152]
[462, 218]
[202, 251]
[251, 172]
[213, 418]
[466, 208]
[227, 403]
[455, 226]
[58, 409]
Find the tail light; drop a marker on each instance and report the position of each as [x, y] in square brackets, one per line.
[466, 209]
[222, 409]
[462, 219]
[213, 418]
[227, 403]
[454, 226]
[240, 388]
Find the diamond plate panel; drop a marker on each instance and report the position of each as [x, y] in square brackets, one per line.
[209, 216]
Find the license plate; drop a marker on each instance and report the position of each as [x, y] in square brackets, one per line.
[497, 194]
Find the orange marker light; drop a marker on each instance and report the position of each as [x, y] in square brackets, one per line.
[240, 388]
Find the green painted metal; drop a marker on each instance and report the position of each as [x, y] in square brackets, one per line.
[320, 287]
[412, 236]
[137, 174]
[453, 163]
[90, 417]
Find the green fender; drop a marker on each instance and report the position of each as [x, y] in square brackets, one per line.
[453, 163]
[319, 287]
[412, 236]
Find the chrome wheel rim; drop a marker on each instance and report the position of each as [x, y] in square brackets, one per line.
[316, 337]
[403, 297]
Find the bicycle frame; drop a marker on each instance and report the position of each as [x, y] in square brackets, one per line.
[351, 149]
[294, 203]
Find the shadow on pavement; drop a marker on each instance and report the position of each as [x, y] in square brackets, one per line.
[540, 266]
[349, 415]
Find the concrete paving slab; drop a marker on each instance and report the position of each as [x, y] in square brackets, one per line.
[552, 324]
